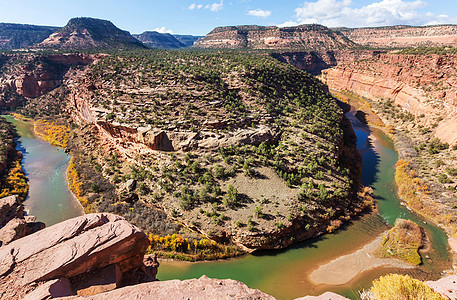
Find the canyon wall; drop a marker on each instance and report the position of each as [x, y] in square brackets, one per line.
[312, 37]
[420, 84]
[35, 75]
[314, 62]
[403, 36]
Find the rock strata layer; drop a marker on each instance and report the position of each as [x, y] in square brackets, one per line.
[423, 85]
[13, 222]
[68, 249]
[203, 288]
[315, 37]
[403, 36]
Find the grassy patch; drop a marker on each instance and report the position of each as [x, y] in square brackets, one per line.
[403, 241]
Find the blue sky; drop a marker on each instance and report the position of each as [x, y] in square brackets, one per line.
[198, 17]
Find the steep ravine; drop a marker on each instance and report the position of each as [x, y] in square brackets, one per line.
[415, 97]
[420, 84]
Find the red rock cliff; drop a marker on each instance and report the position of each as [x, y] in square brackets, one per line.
[421, 84]
[403, 36]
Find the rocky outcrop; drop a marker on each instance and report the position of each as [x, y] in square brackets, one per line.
[446, 286]
[324, 296]
[420, 84]
[13, 222]
[70, 249]
[38, 74]
[403, 36]
[202, 288]
[315, 61]
[150, 138]
[90, 33]
[309, 37]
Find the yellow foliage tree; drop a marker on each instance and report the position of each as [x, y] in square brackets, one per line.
[402, 287]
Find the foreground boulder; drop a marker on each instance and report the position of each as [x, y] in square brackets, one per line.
[203, 288]
[68, 249]
[446, 286]
[324, 296]
[13, 222]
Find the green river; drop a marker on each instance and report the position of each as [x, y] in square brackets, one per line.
[283, 274]
[49, 199]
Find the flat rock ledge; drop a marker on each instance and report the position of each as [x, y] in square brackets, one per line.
[49, 261]
[203, 288]
[14, 224]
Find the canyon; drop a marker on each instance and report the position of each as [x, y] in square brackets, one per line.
[402, 36]
[234, 151]
[420, 84]
[414, 94]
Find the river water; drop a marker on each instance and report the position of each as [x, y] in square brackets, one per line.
[283, 274]
[49, 199]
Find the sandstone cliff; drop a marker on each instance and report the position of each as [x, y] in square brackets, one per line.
[14, 224]
[402, 36]
[420, 84]
[314, 62]
[305, 37]
[90, 33]
[32, 76]
[55, 258]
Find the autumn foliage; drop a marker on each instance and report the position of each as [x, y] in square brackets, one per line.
[55, 134]
[75, 185]
[414, 191]
[175, 246]
[15, 182]
[402, 287]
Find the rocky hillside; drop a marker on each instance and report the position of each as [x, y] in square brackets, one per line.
[158, 40]
[187, 40]
[15, 36]
[228, 145]
[314, 62]
[420, 84]
[29, 76]
[414, 92]
[304, 37]
[89, 33]
[402, 36]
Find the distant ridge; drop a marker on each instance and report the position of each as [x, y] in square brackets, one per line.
[15, 36]
[90, 33]
[303, 37]
[187, 40]
[401, 36]
[155, 39]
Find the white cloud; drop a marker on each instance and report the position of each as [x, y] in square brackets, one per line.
[163, 30]
[194, 6]
[335, 13]
[259, 13]
[215, 7]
